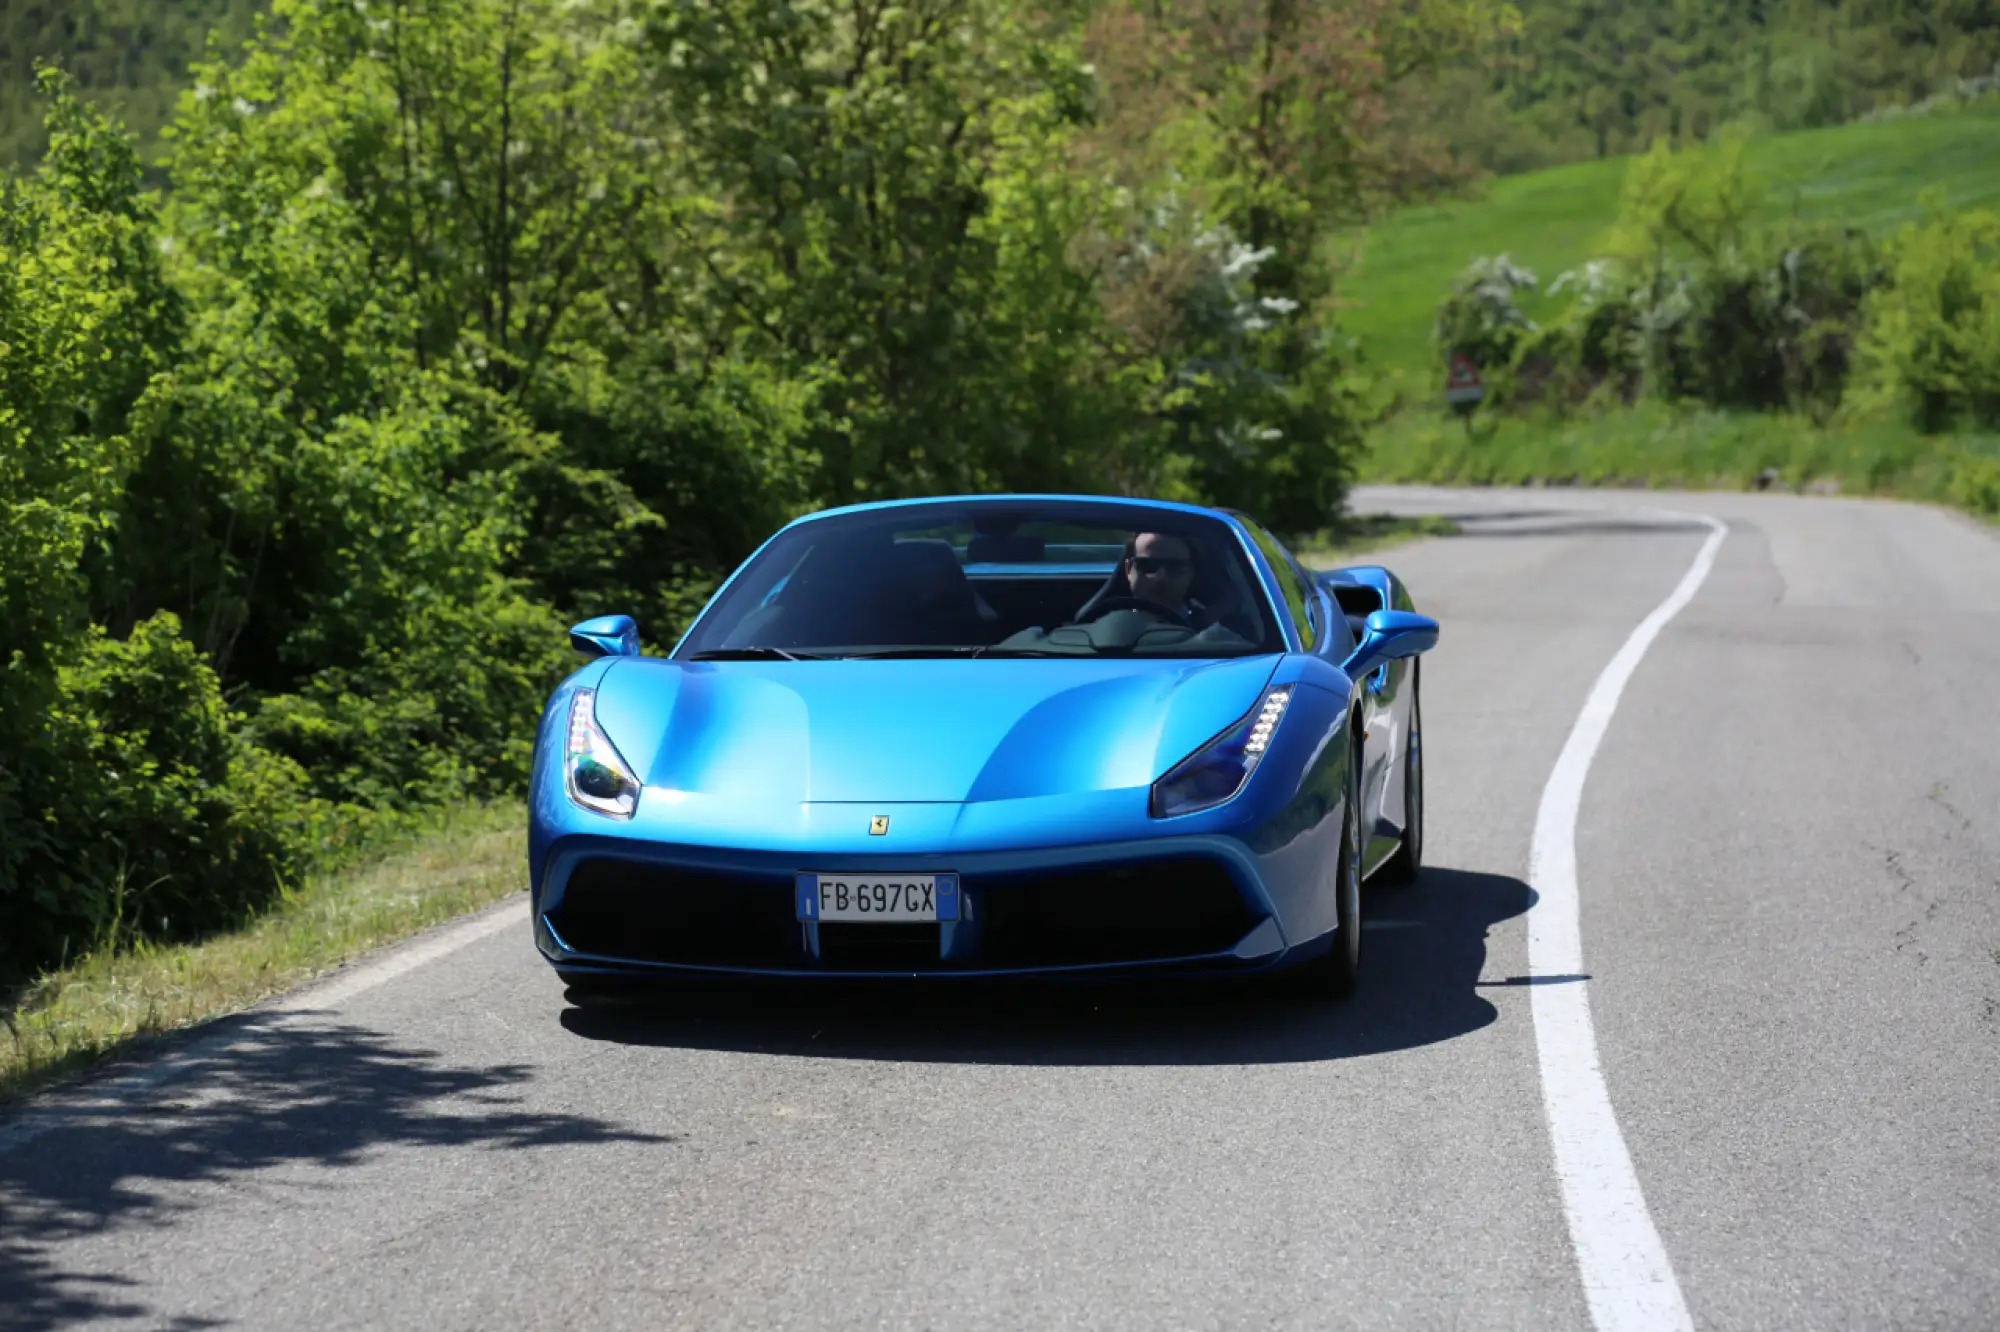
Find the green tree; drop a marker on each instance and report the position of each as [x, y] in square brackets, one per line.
[1933, 336]
[126, 798]
[1249, 133]
[844, 159]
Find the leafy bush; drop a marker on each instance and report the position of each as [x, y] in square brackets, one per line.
[1933, 334]
[1482, 319]
[244, 475]
[1975, 484]
[417, 659]
[1772, 325]
[1688, 303]
[1597, 348]
[138, 807]
[86, 318]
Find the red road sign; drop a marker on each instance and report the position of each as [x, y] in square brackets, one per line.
[1462, 386]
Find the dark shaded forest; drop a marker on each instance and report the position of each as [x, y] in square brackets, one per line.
[1562, 80]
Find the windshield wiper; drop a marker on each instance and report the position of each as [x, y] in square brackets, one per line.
[754, 654]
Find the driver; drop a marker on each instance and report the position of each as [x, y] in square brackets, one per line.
[1160, 568]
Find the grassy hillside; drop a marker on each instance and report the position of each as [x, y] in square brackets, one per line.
[1869, 175]
[1581, 79]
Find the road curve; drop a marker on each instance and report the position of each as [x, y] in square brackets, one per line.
[1788, 877]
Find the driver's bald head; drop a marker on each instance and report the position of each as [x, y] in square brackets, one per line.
[1160, 568]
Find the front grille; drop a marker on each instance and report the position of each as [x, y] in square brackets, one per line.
[901, 946]
[1132, 912]
[1182, 907]
[657, 913]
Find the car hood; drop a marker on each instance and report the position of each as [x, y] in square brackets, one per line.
[917, 731]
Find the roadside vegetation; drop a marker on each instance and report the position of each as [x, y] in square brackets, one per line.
[390, 338]
[434, 869]
[456, 321]
[1707, 339]
[1663, 445]
[1872, 177]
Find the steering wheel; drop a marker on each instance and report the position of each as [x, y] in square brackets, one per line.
[1153, 608]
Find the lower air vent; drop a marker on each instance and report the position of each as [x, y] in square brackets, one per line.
[654, 913]
[902, 946]
[1139, 912]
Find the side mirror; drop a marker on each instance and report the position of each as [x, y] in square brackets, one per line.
[1390, 635]
[606, 636]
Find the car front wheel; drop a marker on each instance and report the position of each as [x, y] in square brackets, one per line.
[1334, 974]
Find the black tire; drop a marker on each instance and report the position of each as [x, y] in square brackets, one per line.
[1335, 973]
[1408, 862]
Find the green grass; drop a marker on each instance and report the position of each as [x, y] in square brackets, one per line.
[1660, 445]
[103, 1004]
[1869, 175]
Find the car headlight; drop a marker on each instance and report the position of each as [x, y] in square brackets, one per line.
[594, 772]
[1216, 772]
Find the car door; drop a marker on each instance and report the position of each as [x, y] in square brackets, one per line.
[1324, 631]
[1386, 701]
[1378, 702]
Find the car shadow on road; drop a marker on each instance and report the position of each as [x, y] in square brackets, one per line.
[247, 1096]
[1423, 951]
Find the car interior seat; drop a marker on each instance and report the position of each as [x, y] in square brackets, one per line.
[893, 592]
[1114, 585]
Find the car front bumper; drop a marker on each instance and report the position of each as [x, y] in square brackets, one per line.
[617, 905]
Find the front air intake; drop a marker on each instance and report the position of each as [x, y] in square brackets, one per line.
[638, 912]
[1138, 912]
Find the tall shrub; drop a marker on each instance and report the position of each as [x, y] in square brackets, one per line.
[127, 802]
[1933, 336]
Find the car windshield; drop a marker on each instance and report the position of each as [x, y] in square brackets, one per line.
[1019, 578]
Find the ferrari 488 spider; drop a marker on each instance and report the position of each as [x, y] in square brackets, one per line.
[993, 735]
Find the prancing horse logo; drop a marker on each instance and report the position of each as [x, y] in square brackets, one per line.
[879, 825]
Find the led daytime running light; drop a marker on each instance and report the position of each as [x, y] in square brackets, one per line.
[594, 773]
[1266, 723]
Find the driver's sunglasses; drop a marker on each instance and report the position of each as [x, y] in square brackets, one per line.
[1156, 564]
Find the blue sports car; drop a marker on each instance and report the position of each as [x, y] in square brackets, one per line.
[984, 736]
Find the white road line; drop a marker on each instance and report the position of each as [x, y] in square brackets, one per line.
[1626, 1275]
[113, 1096]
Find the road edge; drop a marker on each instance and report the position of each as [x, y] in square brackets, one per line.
[143, 1069]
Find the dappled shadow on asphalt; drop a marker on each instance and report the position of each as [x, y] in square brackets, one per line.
[1423, 950]
[251, 1094]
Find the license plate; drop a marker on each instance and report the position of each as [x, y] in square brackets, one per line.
[888, 898]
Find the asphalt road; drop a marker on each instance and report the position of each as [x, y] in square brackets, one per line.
[1788, 859]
